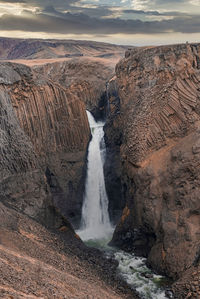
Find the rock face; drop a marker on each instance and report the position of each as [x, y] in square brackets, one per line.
[112, 167]
[56, 131]
[86, 79]
[23, 185]
[159, 92]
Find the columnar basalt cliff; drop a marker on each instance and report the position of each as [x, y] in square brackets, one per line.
[44, 134]
[86, 79]
[159, 92]
[93, 83]
[56, 125]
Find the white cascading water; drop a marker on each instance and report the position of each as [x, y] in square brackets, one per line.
[95, 222]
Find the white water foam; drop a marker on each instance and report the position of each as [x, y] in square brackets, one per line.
[95, 222]
[134, 270]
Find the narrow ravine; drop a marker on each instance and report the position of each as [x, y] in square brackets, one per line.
[96, 229]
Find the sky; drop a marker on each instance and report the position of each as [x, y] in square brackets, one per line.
[126, 22]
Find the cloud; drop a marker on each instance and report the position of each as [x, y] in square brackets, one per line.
[156, 13]
[12, 1]
[68, 23]
[101, 18]
[195, 2]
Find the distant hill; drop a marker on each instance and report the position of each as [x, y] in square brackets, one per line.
[11, 49]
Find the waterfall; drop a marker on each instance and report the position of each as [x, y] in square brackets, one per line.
[95, 222]
[96, 228]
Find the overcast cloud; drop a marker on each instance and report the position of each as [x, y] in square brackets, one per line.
[96, 18]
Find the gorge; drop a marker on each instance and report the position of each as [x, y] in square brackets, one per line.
[151, 169]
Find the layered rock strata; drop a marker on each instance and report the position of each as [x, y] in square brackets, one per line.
[54, 126]
[159, 92]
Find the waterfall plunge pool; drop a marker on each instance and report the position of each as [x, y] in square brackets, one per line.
[96, 229]
[133, 270]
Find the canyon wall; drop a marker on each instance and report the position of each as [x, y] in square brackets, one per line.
[86, 79]
[50, 101]
[44, 134]
[157, 115]
[112, 168]
[56, 132]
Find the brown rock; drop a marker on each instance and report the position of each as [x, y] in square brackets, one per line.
[159, 96]
[55, 125]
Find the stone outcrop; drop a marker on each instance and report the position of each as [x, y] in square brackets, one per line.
[23, 185]
[54, 126]
[159, 93]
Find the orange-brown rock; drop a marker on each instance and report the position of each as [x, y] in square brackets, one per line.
[159, 92]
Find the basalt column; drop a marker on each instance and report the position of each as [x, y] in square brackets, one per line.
[159, 118]
[56, 124]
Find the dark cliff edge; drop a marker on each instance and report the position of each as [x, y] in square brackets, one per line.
[154, 130]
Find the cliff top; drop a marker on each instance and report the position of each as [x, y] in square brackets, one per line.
[159, 49]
